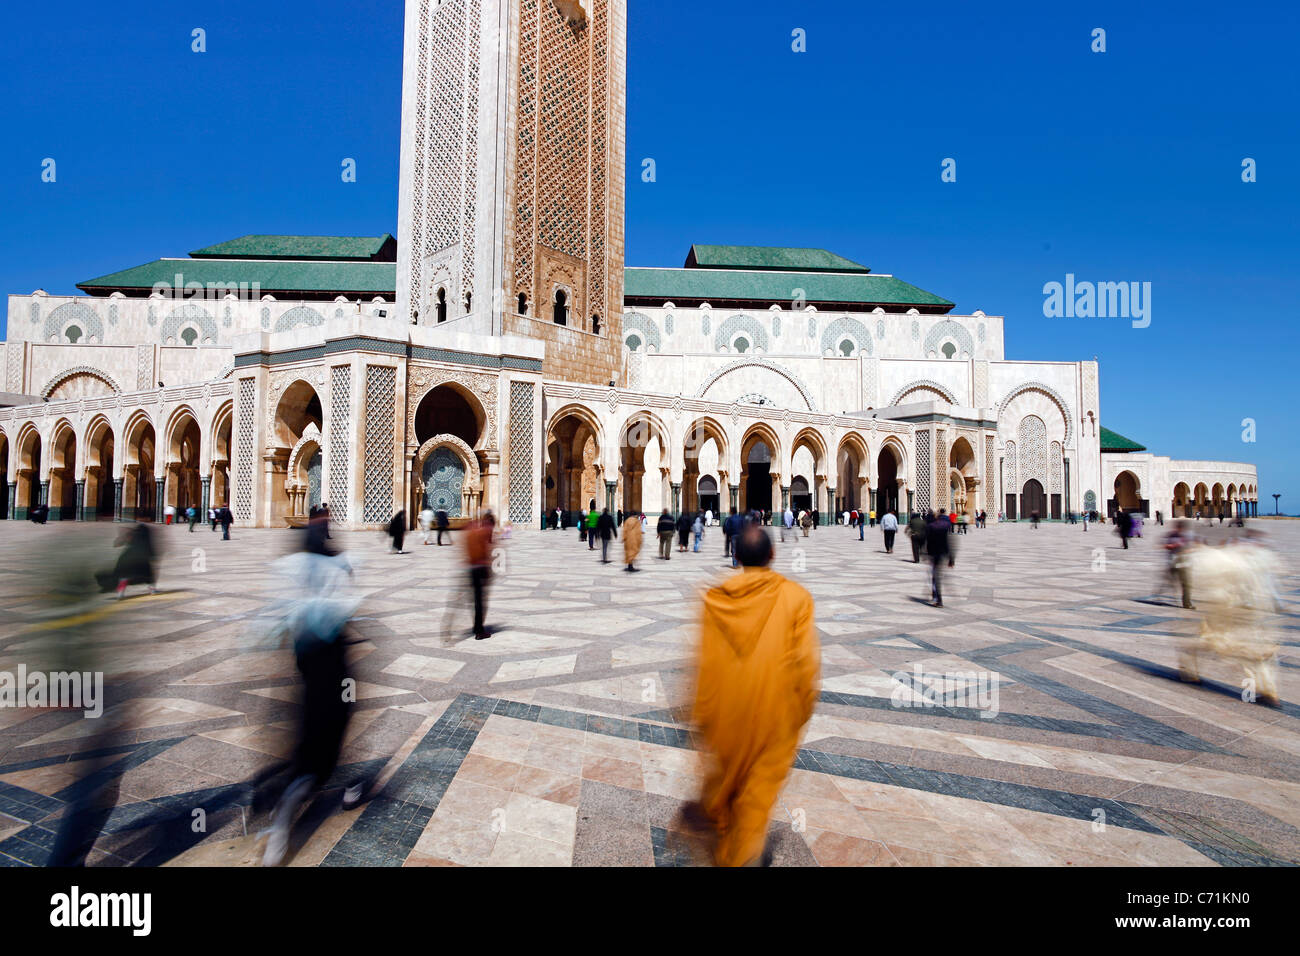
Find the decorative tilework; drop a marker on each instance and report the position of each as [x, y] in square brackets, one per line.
[1033, 450]
[340, 442]
[299, 316]
[740, 325]
[185, 315]
[74, 313]
[245, 448]
[380, 434]
[941, 471]
[990, 477]
[923, 462]
[522, 427]
[844, 328]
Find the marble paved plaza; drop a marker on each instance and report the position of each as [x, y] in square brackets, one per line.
[563, 739]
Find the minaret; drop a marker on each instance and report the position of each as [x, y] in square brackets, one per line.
[512, 175]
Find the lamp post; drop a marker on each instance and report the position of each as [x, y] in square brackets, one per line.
[1275, 498]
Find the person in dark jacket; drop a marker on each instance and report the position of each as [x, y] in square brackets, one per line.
[936, 543]
[136, 563]
[730, 528]
[684, 522]
[443, 524]
[605, 530]
[397, 531]
[225, 519]
[916, 530]
[665, 529]
[1123, 526]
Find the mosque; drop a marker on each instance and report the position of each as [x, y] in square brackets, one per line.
[498, 354]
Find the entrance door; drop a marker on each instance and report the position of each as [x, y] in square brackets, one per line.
[444, 482]
[314, 493]
[1033, 500]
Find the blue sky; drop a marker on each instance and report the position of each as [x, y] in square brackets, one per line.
[1115, 166]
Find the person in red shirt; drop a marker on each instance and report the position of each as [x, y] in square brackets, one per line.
[478, 556]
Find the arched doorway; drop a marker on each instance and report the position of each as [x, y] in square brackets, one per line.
[139, 495]
[705, 450]
[573, 472]
[708, 497]
[962, 475]
[447, 478]
[1182, 503]
[757, 485]
[444, 482]
[184, 487]
[800, 494]
[1216, 500]
[1201, 500]
[1032, 499]
[297, 413]
[63, 484]
[28, 474]
[1128, 493]
[99, 503]
[851, 481]
[645, 467]
[219, 492]
[4, 476]
[887, 481]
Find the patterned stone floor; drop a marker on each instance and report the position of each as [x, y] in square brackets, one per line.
[560, 740]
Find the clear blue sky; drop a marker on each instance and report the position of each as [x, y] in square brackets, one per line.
[1117, 166]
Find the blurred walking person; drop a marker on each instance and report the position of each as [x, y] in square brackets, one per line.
[593, 519]
[684, 523]
[889, 524]
[427, 521]
[1123, 526]
[317, 624]
[916, 530]
[759, 660]
[664, 529]
[478, 556]
[632, 536]
[397, 532]
[938, 547]
[444, 526]
[605, 529]
[137, 564]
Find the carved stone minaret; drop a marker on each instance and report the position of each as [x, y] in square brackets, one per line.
[512, 175]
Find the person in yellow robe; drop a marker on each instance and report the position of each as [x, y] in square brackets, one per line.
[757, 684]
[632, 535]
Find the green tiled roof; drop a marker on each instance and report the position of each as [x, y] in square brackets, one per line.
[715, 285]
[371, 278]
[775, 258]
[1114, 441]
[298, 247]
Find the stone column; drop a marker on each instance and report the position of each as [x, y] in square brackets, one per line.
[734, 491]
[785, 498]
[159, 498]
[206, 497]
[12, 492]
[117, 499]
[677, 498]
[611, 493]
[45, 492]
[81, 499]
[831, 507]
